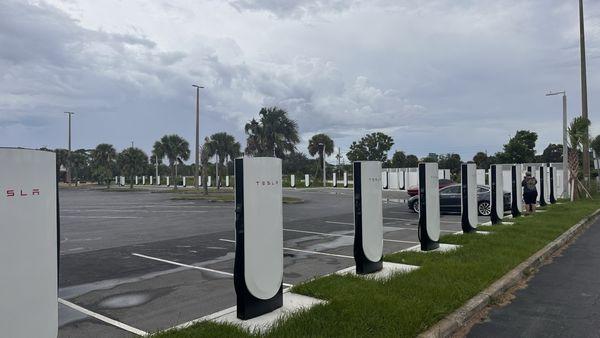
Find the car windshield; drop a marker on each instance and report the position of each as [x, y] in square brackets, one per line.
[483, 189]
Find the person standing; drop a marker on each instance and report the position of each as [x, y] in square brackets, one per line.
[530, 192]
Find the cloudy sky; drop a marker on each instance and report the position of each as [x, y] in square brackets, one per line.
[439, 76]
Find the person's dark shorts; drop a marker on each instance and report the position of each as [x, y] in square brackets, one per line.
[530, 197]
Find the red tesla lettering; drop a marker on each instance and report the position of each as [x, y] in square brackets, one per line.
[22, 194]
[36, 192]
[10, 193]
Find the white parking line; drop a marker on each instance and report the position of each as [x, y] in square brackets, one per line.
[99, 217]
[103, 318]
[134, 210]
[416, 220]
[299, 250]
[342, 223]
[192, 266]
[340, 235]
[184, 265]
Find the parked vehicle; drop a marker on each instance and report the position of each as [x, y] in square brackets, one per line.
[414, 190]
[450, 200]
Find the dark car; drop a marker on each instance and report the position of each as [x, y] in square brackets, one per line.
[450, 200]
[414, 190]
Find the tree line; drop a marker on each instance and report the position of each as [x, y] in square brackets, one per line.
[273, 133]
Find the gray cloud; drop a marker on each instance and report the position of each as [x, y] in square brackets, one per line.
[437, 76]
[293, 8]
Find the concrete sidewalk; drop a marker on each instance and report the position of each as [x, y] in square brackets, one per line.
[562, 299]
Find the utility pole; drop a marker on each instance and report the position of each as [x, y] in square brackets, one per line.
[69, 154]
[565, 161]
[324, 174]
[584, 100]
[197, 169]
[131, 166]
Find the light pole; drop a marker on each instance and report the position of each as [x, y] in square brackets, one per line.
[565, 193]
[197, 169]
[69, 154]
[584, 96]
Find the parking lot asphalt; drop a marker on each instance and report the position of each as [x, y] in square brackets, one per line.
[152, 263]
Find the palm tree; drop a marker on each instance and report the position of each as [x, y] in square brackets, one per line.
[224, 147]
[131, 161]
[578, 131]
[174, 148]
[313, 148]
[275, 134]
[103, 161]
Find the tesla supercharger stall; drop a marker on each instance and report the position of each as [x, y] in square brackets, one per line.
[334, 180]
[542, 184]
[481, 176]
[293, 181]
[429, 206]
[345, 179]
[497, 194]
[469, 218]
[28, 244]
[384, 179]
[551, 181]
[516, 195]
[402, 180]
[258, 266]
[306, 180]
[368, 217]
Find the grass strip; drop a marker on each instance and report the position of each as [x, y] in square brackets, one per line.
[407, 304]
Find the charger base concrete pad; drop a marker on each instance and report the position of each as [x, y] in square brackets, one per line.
[389, 269]
[443, 248]
[292, 303]
[478, 232]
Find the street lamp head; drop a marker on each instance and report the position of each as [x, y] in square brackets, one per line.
[199, 87]
[550, 93]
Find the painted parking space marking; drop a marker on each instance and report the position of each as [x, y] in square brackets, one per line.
[184, 265]
[341, 235]
[414, 220]
[191, 266]
[300, 250]
[342, 223]
[103, 318]
[134, 210]
[99, 217]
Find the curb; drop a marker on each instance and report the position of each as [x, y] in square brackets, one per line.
[456, 320]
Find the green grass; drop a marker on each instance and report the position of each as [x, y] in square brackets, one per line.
[408, 304]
